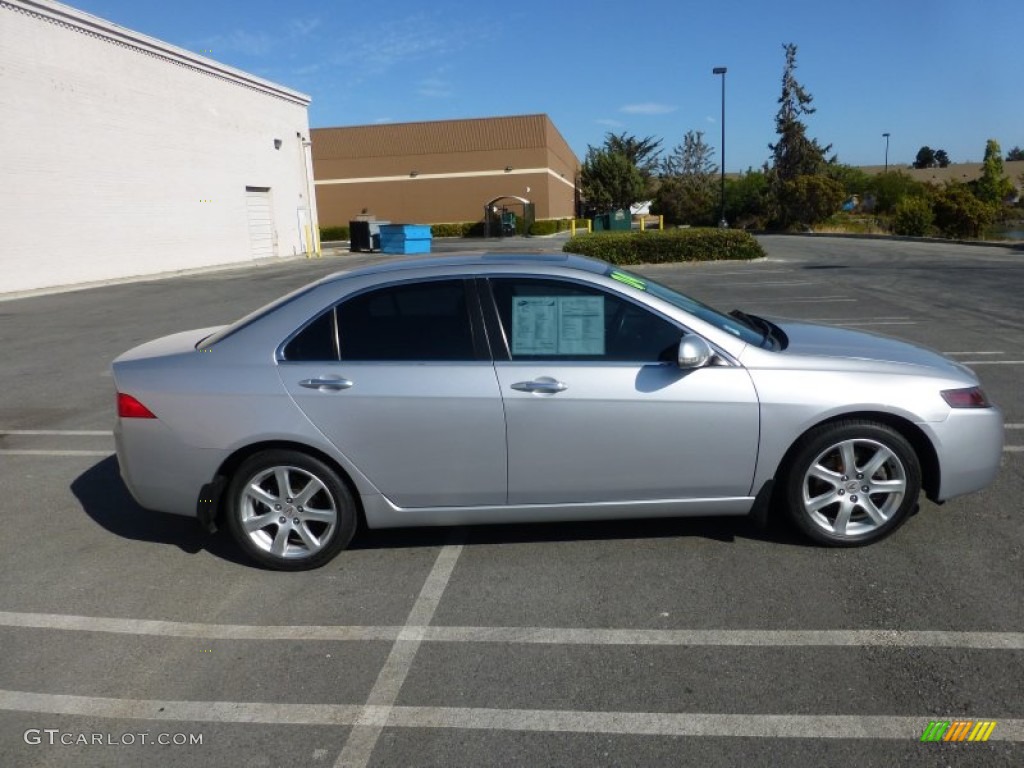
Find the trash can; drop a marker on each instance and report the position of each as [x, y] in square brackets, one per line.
[364, 235]
[619, 220]
[359, 236]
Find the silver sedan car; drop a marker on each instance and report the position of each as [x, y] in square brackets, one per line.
[528, 388]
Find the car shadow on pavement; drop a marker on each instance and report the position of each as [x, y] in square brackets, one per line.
[721, 529]
[104, 497]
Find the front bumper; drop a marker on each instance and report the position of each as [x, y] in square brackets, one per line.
[969, 445]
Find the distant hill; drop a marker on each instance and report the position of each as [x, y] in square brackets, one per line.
[958, 171]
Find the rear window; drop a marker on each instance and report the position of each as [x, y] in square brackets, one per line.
[252, 317]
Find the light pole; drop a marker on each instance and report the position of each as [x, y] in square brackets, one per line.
[721, 71]
[886, 151]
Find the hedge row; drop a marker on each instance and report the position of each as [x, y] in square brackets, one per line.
[458, 229]
[333, 233]
[659, 246]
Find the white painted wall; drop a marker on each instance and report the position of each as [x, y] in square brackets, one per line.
[111, 150]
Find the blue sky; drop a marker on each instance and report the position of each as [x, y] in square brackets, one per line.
[946, 73]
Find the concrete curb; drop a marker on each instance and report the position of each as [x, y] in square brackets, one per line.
[1010, 244]
[71, 287]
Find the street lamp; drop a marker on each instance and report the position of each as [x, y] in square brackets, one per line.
[721, 71]
[886, 151]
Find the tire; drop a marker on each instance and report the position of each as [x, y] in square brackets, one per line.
[827, 500]
[289, 511]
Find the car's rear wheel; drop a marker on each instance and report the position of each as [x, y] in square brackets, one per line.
[851, 483]
[289, 511]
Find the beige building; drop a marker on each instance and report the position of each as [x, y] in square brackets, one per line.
[443, 171]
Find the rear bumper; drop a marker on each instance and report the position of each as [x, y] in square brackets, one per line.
[969, 445]
[161, 473]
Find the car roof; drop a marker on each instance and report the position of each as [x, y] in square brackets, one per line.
[566, 260]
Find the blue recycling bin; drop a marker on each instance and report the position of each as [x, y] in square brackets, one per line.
[405, 238]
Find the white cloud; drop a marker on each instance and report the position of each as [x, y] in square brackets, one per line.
[647, 108]
[237, 41]
[609, 122]
[382, 120]
[302, 27]
[246, 43]
[434, 88]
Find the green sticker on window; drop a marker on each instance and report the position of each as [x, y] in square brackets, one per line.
[629, 280]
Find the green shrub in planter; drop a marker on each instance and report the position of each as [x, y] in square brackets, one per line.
[669, 245]
[334, 233]
[449, 229]
[544, 227]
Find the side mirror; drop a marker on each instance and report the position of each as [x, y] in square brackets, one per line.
[693, 352]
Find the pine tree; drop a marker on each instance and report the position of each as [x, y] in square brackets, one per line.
[794, 155]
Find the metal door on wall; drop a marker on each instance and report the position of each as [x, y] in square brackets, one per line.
[261, 223]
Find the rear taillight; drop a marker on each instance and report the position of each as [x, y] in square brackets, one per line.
[130, 408]
[971, 397]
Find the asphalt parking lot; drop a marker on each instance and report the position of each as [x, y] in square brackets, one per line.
[651, 643]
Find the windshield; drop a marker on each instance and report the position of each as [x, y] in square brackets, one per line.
[709, 315]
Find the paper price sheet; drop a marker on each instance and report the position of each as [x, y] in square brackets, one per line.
[558, 325]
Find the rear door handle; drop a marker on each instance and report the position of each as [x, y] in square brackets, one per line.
[326, 383]
[544, 385]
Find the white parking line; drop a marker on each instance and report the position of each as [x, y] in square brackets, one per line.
[992, 362]
[189, 629]
[896, 320]
[681, 724]
[1014, 426]
[732, 637]
[849, 320]
[816, 300]
[881, 322]
[366, 731]
[759, 284]
[527, 635]
[975, 353]
[63, 432]
[472, 718]
[33, 452]
[1014, 448]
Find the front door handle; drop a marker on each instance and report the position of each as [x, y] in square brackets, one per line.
[544, 385]
[326, 383]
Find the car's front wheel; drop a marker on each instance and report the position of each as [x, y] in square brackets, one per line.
[851, 483]
[289, 511]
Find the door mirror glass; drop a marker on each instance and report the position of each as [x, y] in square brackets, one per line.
[693, 353]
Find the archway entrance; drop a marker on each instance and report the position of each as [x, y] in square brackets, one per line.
[500, 216]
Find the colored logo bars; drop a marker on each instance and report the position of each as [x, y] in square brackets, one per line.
[958, 730]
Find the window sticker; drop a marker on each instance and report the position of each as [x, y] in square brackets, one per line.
[535, 325]
[629, 280]
[558, 325]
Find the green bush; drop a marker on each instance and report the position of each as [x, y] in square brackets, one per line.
[809, 200]
[959, 214]
[913, 217]
[333, 233]
[546, 227]
[660, 246]
[890, 188]
[451, 229]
